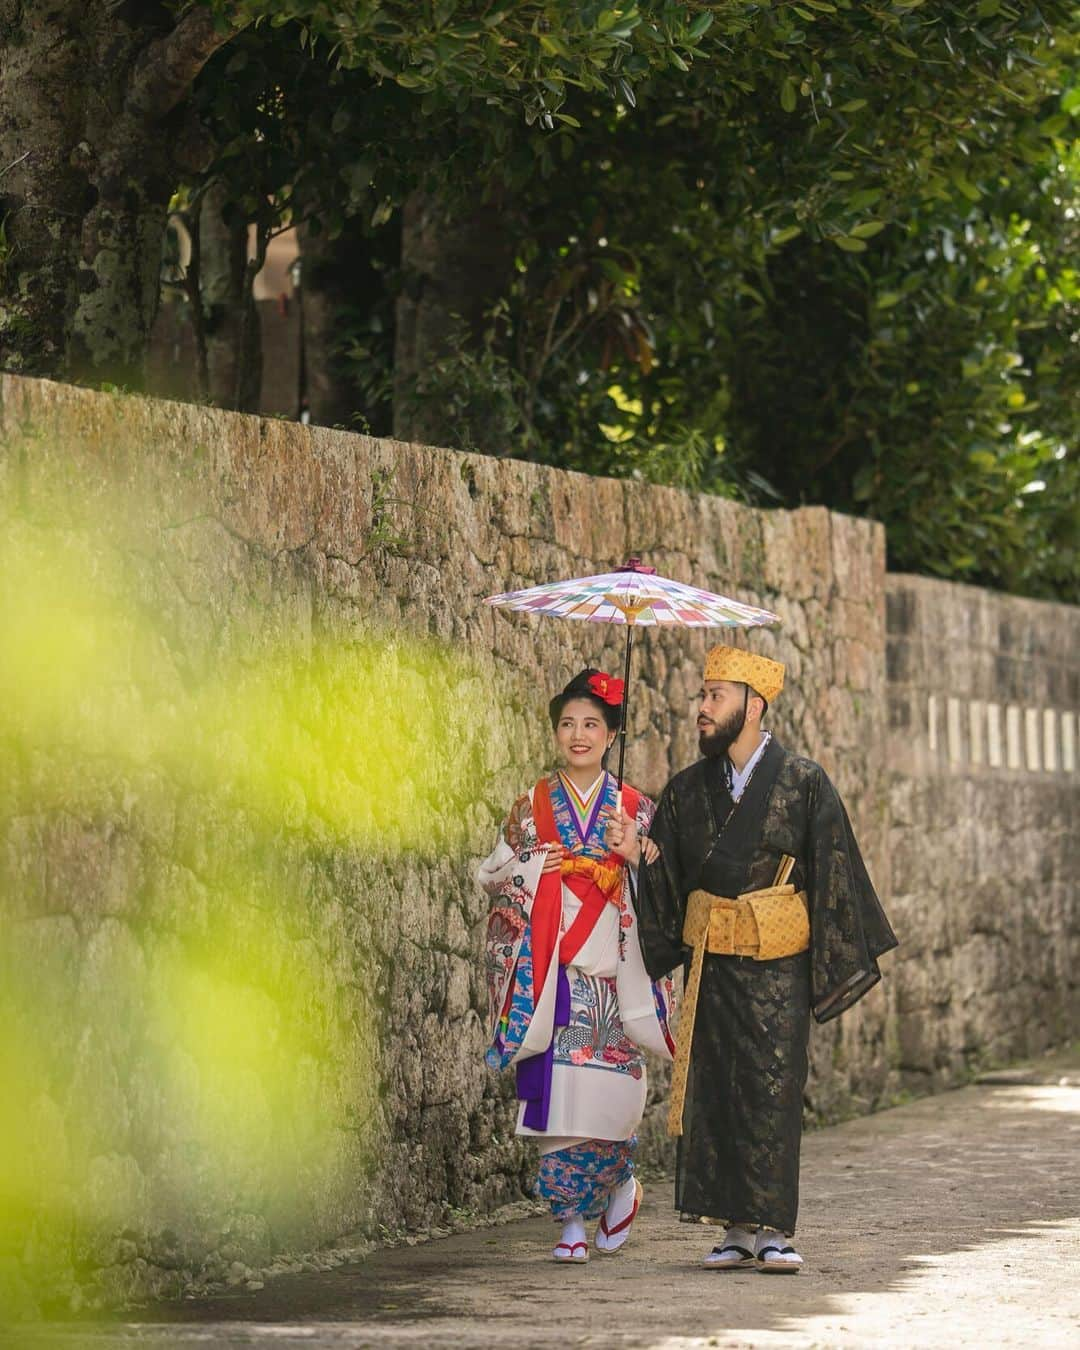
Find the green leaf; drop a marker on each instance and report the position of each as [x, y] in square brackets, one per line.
[964, 184]
[887, 299]
[1054, 125]
[864, 482]
[700, 26]
[744, 288]
[848, 244]
[782, 236]
[789, 97]
[868, 228]
[554, 46]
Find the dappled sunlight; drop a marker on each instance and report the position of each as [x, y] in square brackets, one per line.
[972, 1295]
[1063, 1099]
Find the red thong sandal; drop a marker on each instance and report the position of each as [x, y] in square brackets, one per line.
[571, 1254]
[611, 1240]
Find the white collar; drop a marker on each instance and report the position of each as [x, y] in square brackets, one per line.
[739, 777]
[587, 794]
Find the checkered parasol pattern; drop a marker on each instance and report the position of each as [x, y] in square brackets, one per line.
[614, 597]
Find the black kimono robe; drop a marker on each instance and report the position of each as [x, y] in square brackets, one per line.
[738, 1159]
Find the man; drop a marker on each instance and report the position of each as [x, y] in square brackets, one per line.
[761, 893]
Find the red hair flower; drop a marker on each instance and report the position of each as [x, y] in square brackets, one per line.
[607, 688]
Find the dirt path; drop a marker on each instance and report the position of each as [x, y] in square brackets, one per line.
[953, 1221]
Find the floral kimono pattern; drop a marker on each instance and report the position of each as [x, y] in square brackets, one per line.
[615, 1010]
[577, 1041]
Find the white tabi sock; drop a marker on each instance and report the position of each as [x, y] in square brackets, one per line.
[621, 1203]
[573, 1232]
[772, 1237]
[735, 1252]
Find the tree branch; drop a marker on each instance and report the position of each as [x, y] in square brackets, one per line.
[15, 163]
[168, 67]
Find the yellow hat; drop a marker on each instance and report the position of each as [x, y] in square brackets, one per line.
[764, 677]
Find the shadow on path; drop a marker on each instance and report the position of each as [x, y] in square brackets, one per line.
[951, 1221]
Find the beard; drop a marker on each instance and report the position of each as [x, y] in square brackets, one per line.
[716, 743]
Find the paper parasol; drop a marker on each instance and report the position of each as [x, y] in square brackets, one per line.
[636, 596]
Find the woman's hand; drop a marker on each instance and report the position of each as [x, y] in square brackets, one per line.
[621, 836]
[555, 854]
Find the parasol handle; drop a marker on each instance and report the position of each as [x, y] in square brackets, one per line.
[625, 708]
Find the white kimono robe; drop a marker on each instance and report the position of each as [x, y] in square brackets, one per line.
[597, 1076]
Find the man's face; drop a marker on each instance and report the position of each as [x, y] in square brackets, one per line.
[721, 716]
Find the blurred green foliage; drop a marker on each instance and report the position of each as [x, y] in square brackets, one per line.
[195, 790]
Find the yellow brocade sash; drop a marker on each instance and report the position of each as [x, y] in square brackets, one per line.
[763, 925]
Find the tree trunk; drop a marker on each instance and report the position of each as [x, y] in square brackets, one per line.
[92, 137]
[347, 318]
[325, 278]
[229, 314]
[456, 264]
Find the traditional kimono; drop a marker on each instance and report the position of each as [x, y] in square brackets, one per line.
[571, 1006]
[738, 1157]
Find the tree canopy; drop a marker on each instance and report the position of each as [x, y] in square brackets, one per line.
[817, 251]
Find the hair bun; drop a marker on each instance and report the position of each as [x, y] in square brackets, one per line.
[600, 688]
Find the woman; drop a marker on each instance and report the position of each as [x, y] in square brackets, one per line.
[572, 1008]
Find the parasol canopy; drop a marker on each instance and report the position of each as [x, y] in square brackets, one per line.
[633, 595]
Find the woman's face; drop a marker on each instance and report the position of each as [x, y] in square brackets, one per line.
[582, 735]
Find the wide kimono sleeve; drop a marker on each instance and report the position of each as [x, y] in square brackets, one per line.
[509, 875]
[646, 1005]
[661, 905]
[848, 927]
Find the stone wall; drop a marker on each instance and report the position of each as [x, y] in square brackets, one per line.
[240, 820]
[983, 697]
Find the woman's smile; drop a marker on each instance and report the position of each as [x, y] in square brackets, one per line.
[583, 737]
